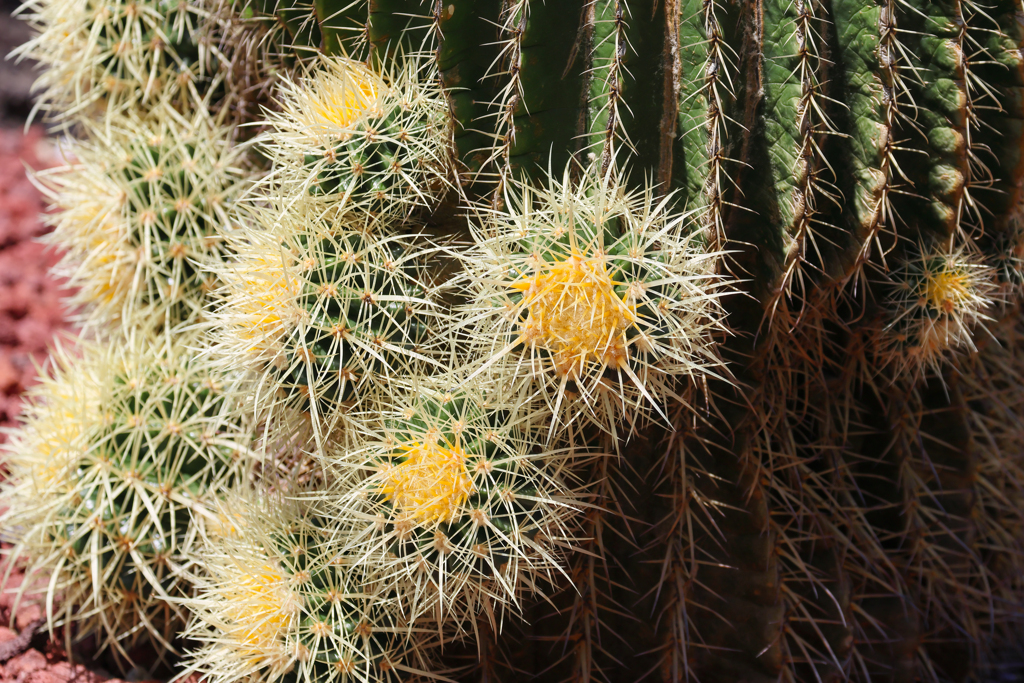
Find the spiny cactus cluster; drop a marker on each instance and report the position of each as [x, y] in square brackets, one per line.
[560, 340]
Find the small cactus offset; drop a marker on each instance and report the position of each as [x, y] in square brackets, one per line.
[367, 144]
[138, 218]
[321, 314]
[536, 340]
[280, 598]
[454, 497]
[118, 450]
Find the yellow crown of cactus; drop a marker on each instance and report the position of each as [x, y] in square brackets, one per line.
[596, 295]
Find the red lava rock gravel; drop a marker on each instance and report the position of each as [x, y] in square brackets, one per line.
[30, 300]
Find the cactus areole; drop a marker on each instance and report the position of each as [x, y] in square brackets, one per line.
[569, 340]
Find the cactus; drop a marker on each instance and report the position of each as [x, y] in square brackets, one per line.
[321, 314]
[281, 603]
[116, 450]
[591, 291]
[365, 143]
[102, 58]
[636, 339]
[140, 212]
[457, 499]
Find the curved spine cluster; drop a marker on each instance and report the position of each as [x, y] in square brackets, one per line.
[116, 451]
[465, 304]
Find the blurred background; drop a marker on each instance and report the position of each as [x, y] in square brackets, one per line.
[15, 78]
[30, 310]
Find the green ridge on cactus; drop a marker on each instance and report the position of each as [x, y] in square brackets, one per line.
[464, 63]
[543, 93]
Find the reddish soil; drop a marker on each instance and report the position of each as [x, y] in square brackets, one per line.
[30, 299]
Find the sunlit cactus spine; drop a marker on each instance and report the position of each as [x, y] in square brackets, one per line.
[117, 459]
[367, 142]
[450, 494]
[140, 210]
[277, 601]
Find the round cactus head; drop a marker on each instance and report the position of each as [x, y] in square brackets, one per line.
[598, 296]
[457, 499]
[141, 211]
[114, 453]
[107, 57]
[281, 603]
[321, 314]
[934, 301]
[361, 141]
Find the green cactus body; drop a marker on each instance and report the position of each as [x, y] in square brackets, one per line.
[832, 489]
[343, 26]
[646, 88]
[142, 210]
[943, 110]
[117, 451]
[287, 607]
[706, 131]
[398, 26]
[700, 94]
[627, 84]
[999, 163]
[463, 62]
[542, 118]
[873, 92]
[602, 100]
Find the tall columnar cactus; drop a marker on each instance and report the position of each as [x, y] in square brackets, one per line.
[710, 375]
